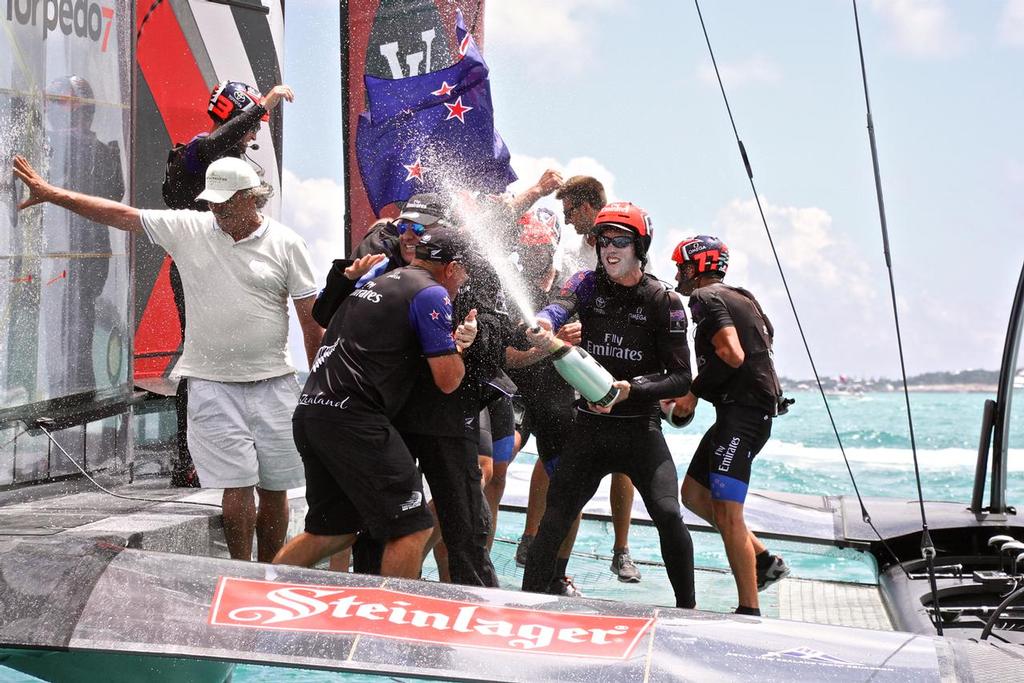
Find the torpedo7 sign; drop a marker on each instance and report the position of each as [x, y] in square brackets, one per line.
[403, 616]
[84, 18]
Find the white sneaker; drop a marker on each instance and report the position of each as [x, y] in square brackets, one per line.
[624, 567]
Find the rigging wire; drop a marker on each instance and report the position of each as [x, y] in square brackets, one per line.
[927, 548]
[778, 263]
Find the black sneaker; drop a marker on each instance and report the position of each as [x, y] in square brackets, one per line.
[564, 586]
[524, 547]
[624, 567]
[773, 573]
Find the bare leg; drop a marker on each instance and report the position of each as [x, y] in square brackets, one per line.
[403, 556]
[340, 562]
[436, 543]
[239, 505]
[621, 498]
[538, 498]
[271, 523]
[729, 519]
[306, 549]
[565, 550]
[494, 489]
[697, 500]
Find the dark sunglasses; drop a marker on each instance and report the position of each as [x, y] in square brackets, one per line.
[619, 241]
[417, 228]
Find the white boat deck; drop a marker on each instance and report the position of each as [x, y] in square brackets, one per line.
[834, 603]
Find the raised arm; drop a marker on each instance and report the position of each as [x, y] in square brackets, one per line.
[96, 209]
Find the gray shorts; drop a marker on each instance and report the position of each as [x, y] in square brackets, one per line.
[240, 433]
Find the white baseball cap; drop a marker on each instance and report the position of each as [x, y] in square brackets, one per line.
[227, 176]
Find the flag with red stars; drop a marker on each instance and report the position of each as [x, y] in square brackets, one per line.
[433, 129]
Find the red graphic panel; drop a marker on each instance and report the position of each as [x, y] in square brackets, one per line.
[403, 616]
[158, 336]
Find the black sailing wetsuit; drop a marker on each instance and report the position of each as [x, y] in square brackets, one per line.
[635, 332]
[745, 398]
[184, 179]
[360, 473]
[441, 431]
[547, 398]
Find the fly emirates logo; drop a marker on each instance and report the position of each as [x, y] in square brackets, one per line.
[403, 616]
[611, 347]
[84, 18]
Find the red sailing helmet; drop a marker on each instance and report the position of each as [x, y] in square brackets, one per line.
[629, 217]
[539, 227]
[708, 254]
[230, 98]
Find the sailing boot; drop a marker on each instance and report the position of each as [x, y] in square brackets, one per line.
[770, 570]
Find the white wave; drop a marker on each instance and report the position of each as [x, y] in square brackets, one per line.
[797, 455]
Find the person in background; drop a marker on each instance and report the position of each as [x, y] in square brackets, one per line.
[733, 343]
[80, 162]
[239, 267]
[237, 111]
[545, 398]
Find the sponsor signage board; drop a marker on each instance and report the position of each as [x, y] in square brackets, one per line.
[403, 616]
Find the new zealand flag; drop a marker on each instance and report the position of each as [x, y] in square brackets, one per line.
[432, 132]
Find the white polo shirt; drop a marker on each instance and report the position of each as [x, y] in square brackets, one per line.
[236, 293]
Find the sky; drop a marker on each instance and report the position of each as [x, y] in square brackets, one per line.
[624, 90]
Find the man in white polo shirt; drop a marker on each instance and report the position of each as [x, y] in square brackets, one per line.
[238, 268]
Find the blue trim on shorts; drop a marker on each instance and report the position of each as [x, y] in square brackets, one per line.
[502, 449]
[727, 488]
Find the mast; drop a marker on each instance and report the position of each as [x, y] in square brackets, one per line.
[1004, 396]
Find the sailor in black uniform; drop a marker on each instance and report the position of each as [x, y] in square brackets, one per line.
[636, 328]
[736, 375]
[360, 474]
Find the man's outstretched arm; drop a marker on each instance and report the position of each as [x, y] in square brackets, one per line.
[96, 209]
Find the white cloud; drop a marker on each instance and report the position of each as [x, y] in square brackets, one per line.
[314, 208]
[754, 69]
[922, 28]
[830, 281]
[548, 34]
[1011, 24]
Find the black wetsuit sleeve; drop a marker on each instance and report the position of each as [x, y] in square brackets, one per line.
[227, 137]
[714, 316]
[715, 373]
[673, 352]
[338, 287]
[576, 293]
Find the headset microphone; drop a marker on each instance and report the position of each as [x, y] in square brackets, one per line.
[254, 147]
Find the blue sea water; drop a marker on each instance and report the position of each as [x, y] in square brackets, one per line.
[801, 457]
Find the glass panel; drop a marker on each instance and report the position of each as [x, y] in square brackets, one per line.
[7, 439]
[65, 105]
[31, 457]
[71, 440]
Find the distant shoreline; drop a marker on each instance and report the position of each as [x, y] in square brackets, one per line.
[915, 388]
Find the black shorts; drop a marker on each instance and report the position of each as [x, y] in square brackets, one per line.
[359, 477]
[723, 458]
[497, 430]
[551, 424]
